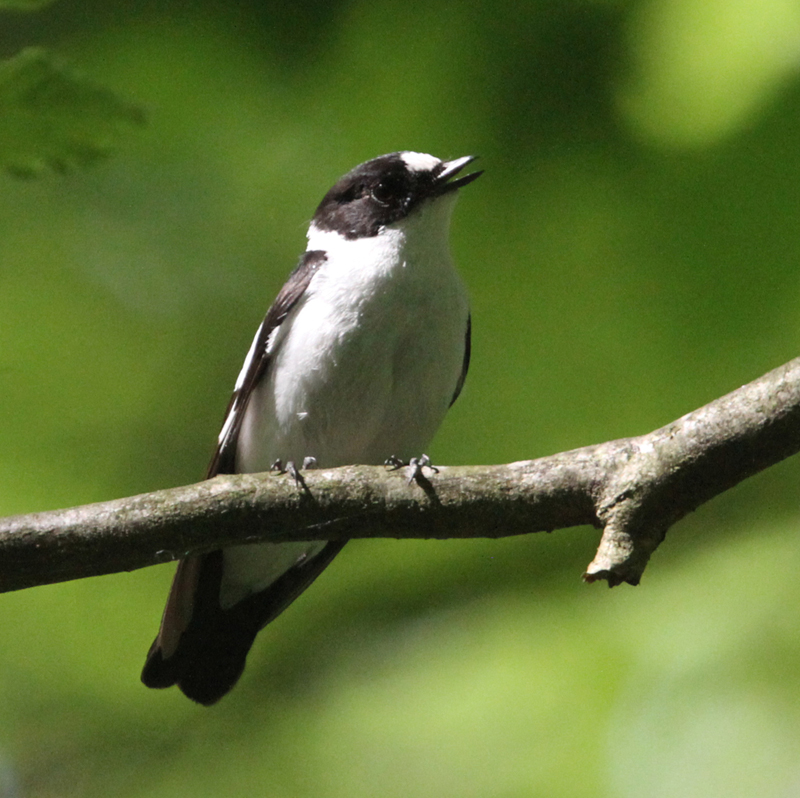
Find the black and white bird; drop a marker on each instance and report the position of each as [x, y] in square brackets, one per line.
[363, 351]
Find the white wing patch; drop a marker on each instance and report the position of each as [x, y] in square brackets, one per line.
[240, 380]
[251, 353]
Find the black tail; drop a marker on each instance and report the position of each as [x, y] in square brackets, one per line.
[212, 646]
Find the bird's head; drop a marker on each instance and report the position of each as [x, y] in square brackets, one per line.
[387, 190]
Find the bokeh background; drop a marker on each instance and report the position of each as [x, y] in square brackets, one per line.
[632, 253]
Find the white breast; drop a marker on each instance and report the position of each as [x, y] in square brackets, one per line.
[366, 364]
[364, 367]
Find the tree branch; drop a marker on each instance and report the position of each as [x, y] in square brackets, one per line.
[634, 488]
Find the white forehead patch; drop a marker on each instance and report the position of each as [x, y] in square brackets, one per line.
[419, 161]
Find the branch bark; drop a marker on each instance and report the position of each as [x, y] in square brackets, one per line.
[633, 488]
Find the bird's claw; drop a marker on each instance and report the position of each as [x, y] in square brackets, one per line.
[292, 470]
[415, 466]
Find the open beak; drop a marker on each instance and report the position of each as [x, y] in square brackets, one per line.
[450, 169]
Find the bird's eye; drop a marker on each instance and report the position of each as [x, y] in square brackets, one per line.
[386, 190]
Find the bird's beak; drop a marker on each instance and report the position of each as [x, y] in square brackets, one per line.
[445, 185]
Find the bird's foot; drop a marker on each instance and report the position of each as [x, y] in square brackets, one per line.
[292, 470]
[415, 466]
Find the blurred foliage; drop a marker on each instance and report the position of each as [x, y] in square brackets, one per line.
[631, 254]
[704, 69]
[49, 117]
[23, 5]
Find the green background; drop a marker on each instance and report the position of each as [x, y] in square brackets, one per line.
[631, 252]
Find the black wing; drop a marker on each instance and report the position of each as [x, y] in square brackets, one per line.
[258, 359]
[200, 646]
[465, 366]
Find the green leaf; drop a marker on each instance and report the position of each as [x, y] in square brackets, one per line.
[50, 117]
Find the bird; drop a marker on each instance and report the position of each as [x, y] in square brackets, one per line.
[357, 361]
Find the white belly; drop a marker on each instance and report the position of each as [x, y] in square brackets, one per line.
[364, 367]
